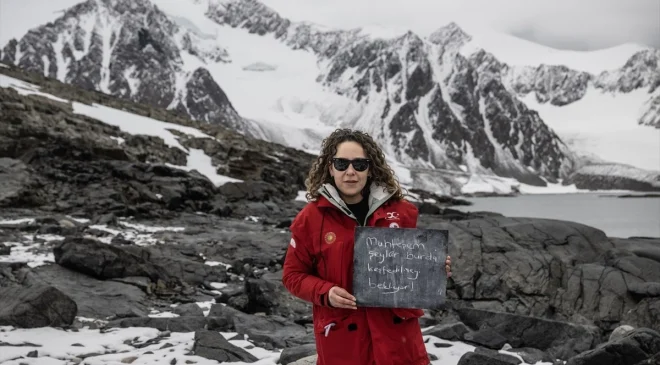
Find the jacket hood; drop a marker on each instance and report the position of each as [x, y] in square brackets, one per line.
[378, 195]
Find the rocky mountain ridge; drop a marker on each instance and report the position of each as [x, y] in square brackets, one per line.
[435, 104]
[132, 50]
[559, 85]
[429, 101]
[556, 84]
[422, 119]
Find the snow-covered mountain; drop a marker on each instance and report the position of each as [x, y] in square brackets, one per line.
[128, 49]
[443, 105]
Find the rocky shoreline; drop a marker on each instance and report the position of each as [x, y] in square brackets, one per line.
[103, 231]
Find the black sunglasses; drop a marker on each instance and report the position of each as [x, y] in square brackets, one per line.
[359, 164]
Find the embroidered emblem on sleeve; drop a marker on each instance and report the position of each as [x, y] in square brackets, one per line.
[292, 243]
[394, 225]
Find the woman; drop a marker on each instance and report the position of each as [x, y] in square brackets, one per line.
[350, 184]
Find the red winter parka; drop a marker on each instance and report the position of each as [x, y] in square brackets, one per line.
[320, 256]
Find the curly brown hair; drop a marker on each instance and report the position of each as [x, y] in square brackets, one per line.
[381, 172]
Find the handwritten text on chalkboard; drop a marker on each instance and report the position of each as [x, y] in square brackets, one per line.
[396, 267]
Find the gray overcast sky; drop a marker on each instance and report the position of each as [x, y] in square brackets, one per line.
[565, 24]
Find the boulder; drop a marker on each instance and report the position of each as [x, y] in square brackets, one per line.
[103, 261]
[269, 332]
[292, 354]
[487, 358]
[632, 348]
[35, 306]
[182, 263]
[212, 345]
[94, 298]
[268, 295]
[451, 331]
[162, 263]
[310, 360]
[559, 339]
[189, 310]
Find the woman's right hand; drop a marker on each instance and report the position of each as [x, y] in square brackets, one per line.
[340, 298]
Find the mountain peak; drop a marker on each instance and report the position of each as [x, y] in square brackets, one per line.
[117, 6]
[451, 33]
[130, 49]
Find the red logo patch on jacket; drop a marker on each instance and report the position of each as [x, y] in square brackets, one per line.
[330, 237]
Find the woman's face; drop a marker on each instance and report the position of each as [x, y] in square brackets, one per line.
[350, 178]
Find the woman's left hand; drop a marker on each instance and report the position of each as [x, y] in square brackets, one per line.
[448, 266]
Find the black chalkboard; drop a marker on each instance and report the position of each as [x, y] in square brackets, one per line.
[400, 267]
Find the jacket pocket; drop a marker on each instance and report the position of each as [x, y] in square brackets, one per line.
[336, 343]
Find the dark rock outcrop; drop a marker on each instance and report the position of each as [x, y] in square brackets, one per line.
[99, 299]
[55, 159]
[630, 349]
[265, 331]
[214, 346]
[291, 354]
[487, 358]
[268, 295]
[102, 261]
[549, 269]
[35, 306]
[559, 339]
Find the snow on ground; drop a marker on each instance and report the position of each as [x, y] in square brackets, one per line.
[200, 161]
[605, 125]
[135, 124]
[32, 249]
[25, 88]
[64, 347]
[140, 234]
[57, 346]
